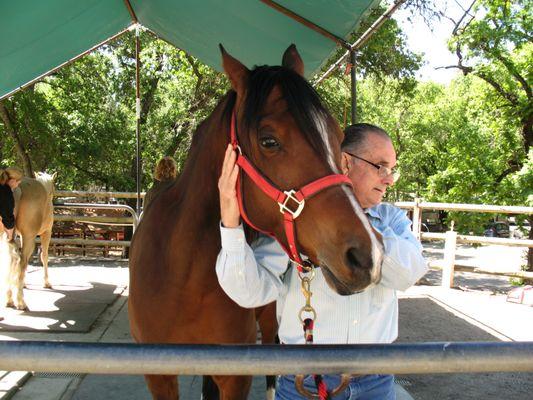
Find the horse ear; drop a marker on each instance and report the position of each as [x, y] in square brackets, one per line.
[236, 72]
[292, 60]
[54, 176]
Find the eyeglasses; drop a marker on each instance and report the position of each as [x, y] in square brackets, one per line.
[383, 171]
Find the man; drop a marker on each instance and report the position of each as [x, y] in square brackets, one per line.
[257, 275]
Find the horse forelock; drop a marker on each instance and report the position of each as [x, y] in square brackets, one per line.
[303, 103]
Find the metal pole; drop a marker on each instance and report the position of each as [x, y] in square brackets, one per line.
[363, 39]
[354, 87]
[135, 359]
[311, 25]
[138, 117]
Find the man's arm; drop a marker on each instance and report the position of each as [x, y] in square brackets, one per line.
[250, 276]
[403, 263]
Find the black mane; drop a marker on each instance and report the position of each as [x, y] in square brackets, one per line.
[303, 102]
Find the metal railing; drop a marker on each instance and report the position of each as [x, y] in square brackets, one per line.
[139, 359]
[133, 219]
[451, 238]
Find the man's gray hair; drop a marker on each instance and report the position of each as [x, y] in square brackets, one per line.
[355, 136]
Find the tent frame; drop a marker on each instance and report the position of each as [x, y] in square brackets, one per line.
[350, 50]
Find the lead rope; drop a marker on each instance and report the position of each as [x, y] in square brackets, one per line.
[309, 322]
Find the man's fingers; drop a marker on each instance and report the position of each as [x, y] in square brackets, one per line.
[234, 175]
[225, 162]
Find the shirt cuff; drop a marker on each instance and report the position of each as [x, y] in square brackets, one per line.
[233, 239]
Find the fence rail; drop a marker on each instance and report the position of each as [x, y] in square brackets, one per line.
[79, 193]
[139, 359]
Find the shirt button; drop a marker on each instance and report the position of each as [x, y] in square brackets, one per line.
[354, 321]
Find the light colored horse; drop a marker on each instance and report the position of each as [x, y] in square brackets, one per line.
[34, 216]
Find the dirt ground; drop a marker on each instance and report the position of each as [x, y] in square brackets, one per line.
[474, 310]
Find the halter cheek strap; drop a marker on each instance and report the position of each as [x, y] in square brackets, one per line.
[291, 202]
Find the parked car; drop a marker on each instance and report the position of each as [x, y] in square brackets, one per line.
[519, 232]
[497, 229]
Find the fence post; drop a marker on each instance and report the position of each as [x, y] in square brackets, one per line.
[417, 219]
[448, 265]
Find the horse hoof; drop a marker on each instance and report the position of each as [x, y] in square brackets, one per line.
[47, 286]
[10, 304]
[22, 307]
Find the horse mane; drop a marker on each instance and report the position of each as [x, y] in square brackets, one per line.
[47, 181]
[303, 102]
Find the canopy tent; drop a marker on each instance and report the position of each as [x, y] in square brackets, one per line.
[38, 37]
[41, 37]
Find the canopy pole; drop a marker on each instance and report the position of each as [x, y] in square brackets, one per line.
[138, 117]
[311, 25]
[363, 39]
[354, 87]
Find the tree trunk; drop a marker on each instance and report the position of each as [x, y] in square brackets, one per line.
[19, 146]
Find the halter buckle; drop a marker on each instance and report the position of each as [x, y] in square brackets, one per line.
[290, 196]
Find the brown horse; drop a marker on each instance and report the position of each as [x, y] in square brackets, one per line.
[290, 137]
[34, 216]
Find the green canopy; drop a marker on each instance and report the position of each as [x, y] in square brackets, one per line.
[39, 36]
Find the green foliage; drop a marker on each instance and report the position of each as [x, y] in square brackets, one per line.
[81, 121]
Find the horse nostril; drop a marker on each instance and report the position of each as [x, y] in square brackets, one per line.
[353, 257]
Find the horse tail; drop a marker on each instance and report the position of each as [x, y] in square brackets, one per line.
[209, 389]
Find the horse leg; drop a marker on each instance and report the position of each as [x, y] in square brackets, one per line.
[45, 243]
[163, 387]
[28, 244]
[233, 387]
[13, 260]
[209, 389]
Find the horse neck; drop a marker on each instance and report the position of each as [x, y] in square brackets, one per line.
[198, 181]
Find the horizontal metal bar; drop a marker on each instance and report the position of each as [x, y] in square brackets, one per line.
[87, 242]
[103, 207]
[480, 239]
[133, 359]
[466, 207]
[438, 265]
[79, 193]
[96, 219]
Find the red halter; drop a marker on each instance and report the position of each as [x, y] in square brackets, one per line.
[296, 198]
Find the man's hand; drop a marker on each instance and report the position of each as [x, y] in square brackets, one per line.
[229, 206]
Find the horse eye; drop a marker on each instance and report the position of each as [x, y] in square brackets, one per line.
[268, 142]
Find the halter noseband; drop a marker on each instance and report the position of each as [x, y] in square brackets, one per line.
[291, 202]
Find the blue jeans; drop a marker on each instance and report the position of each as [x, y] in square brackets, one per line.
[367, 387]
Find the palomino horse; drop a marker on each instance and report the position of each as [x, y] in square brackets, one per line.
[289, 136]
[34, 216]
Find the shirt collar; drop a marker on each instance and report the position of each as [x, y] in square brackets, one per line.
[373, 212]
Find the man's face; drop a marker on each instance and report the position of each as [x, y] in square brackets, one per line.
[368, 186]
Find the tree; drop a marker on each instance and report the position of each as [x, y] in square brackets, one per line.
[493, 41]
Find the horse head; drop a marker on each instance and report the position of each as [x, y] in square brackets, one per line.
[292, 140]
[47, 181]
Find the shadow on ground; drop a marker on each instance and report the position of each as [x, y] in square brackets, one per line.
[61, 309]
[423, 320]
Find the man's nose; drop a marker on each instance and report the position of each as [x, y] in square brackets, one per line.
[388, 180]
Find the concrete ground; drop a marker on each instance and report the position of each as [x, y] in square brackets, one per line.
[89, 303]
